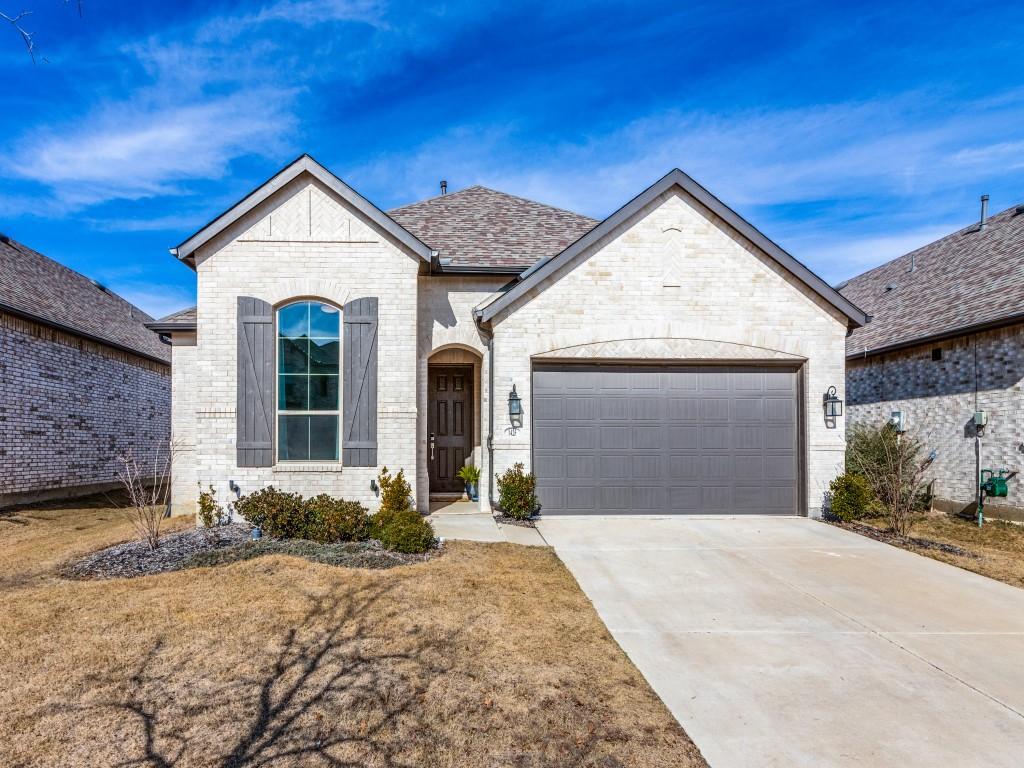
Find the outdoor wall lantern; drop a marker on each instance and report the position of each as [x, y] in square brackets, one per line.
[515, 409]
[833, 405]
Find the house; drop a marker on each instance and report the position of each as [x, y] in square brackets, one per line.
[669, 359]
[946, 340]
[82, 381]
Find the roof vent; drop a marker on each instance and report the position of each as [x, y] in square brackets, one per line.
[5, 239]
[890, 287]
[1018, 210]
[984, 213]
[444, 187]
[99, 285]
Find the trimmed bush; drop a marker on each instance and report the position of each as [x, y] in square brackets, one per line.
[403, 530]
[517, 496]
[278, 514]
[210, 512]
[851, 497]
[330, 519]
[395, 492]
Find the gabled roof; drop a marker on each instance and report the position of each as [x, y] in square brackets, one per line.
[182, 320]
[675, 178]
[966, 281]
[481, 227]
[38, 288]
[304, 164]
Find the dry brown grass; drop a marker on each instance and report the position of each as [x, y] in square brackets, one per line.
[998, 547]
[486, 656]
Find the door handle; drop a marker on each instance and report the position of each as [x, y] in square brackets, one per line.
[431, 446]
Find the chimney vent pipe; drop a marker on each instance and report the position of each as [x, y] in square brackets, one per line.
[444, 187]
[984, 213]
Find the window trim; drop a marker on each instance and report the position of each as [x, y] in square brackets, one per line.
[278, 412]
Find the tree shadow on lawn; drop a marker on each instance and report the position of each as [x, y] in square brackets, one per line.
[334, 694]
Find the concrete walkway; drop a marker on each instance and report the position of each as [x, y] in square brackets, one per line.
[789, 642]
[463, 520]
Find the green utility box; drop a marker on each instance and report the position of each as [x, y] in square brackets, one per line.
[993, 482]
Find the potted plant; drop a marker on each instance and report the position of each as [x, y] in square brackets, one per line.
[470, 475]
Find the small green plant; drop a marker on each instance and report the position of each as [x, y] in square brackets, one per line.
[279, 514]
[211, 514]
[891, 464]
[331, 520]
[395, 492]
[517, 495]
[469, 474]
[403, 530]
[851, 497]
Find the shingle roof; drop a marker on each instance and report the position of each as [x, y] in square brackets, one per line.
[182, 320]
[478, 226]
[966, 279]
[37, 287]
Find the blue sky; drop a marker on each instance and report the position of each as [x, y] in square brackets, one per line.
[849, 133]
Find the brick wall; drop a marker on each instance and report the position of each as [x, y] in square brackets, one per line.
[69, 407]
[674, 281]
[303, 242]
[939, 397]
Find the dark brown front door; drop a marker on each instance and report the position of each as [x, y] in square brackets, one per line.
[449, 425]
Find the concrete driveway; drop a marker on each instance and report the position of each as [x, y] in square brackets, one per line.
[785, 641]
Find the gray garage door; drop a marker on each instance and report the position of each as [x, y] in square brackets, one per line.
[616, 439]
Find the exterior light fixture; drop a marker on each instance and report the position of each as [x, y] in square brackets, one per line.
[833, 405]
[515, 409]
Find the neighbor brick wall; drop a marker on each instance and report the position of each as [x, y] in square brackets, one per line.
[676, 272]
[939, 398]
[70, 407]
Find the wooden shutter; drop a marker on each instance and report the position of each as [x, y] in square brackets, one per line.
[359, 384]
[255, 414]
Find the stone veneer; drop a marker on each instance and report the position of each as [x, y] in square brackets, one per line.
[982, 371]
[675, 277]
[69, 408]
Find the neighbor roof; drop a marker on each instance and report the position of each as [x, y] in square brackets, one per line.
[38, 288]
[481, 227]
[182, 320]
[304, 164]
[966, 281]
[674, 178]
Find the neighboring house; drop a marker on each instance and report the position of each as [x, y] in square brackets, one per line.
[946, 339]
[82, 382]
[669, 359]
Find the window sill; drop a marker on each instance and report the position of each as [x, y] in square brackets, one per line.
[281, 469]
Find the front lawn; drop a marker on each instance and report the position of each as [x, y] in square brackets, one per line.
[995, 550]
[487, 655]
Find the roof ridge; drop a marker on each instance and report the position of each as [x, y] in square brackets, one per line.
[497, 192]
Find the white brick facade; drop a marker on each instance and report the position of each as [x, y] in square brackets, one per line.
[674, 273]
[673, 282]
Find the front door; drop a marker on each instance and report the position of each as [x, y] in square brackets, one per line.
[449, 425]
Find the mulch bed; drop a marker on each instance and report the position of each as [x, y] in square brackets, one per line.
[205, 547]
[889, 537]
[530, 522]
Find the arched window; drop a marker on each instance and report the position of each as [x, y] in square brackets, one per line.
[308, 381]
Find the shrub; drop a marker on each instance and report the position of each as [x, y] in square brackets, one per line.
[279, 514]
[517, 496]
[851, 497]
[329, 519]
[395, 492]
[403, 530]
[211, 513]
[891, 464]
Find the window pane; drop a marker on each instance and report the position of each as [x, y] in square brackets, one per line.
[323, 438]
[293, 438]
[293, 320]
[323, 356]
[293, 393]
[323, 321]
[294, 356]
[323, 393]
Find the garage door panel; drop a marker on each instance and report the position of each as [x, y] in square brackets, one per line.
[619, 439]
